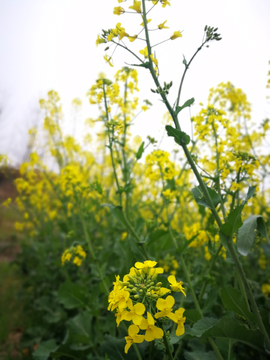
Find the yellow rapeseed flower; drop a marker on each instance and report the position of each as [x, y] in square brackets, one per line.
[176, 35]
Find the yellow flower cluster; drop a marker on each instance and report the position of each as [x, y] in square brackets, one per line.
[74, 253]
[159, 166]
[117, 34]
[139, 298]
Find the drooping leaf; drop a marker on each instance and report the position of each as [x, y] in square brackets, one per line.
[186, 104]
[180, 137]
[246, 234]
[45, 349]
[233, 221]
[233, 300]
[200, 199]
[201, 326]
[73, 296]
[140, 151]
[230, 328]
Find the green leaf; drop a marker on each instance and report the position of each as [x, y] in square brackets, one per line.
[45, 349]
[64, 351]
[73, 296]
[117, 213]
[200, 199]
[210, 301]
[201, 326]
[180, 137]
[140, 151]
[98, 188]
[233, 221]
[192, 315]
[186, 104]
[233, 300]
[230, 328]
[79, 331]
[145, 65]
[262, 228]
[250, 193]
[200, 355]
[115, 349]
[246, 234]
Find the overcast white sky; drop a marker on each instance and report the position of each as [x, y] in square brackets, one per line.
[50, 44]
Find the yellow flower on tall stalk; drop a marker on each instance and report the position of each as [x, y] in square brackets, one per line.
[136, 6]
[176, 35]
[118, 10]
[162, 25]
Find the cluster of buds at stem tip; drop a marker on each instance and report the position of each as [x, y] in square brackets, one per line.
[164, 90]
[141, 285]
[211, 33]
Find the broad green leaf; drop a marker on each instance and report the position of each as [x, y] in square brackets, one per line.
[45, 349]
[233, 300]
[201, 326]
[200, 199]
[200, 355]
[192, 315]
[262, 228]
[79, 331]
[186, 104]
[140, 151]
[233, 221]
[230, 328]
[180, 137]
[116, 212]
[225, 348]
[73, 296]
[246, 235]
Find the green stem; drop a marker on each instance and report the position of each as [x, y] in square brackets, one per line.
[184, 74]
[217, 174]
[178, 350]
[249, 294]
[137, 352]
[167, 346]
[215, 348]
[225, 239]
